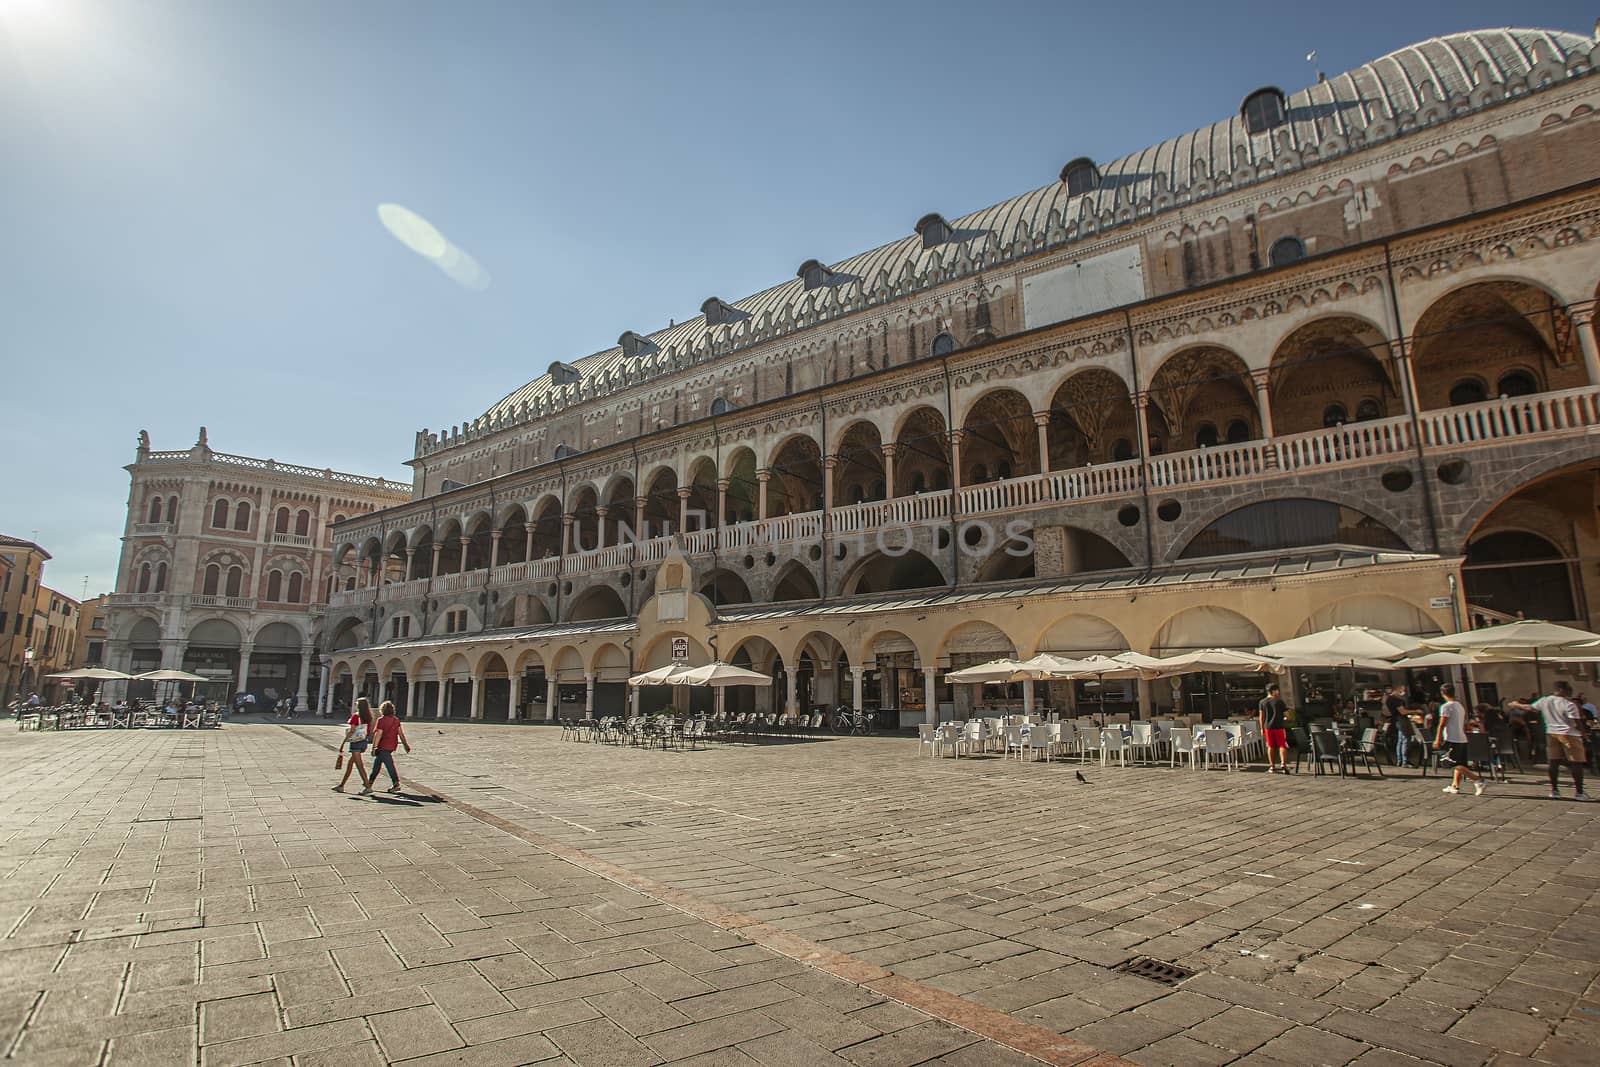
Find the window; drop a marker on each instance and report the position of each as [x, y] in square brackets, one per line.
[282, 525]
[1081, 176]
[235, 580]
[1286, 250]
[455, 622]
[213, 578]
[161, 579]
[275, 586]
[1335, 415]
[1368, 410]
[1279, 525]
[219, 515]
[302, 523]
[241, 517]
[1468, 391]
[1121, 449]
[400, 627]
[934, 230]
[1206, 436]
[943, 345]
[96, 653]
[296, 587]
[1238, 432]
[155, 510]
[172, 510]
[144, 577]
[1517, 383]
[1264, 109]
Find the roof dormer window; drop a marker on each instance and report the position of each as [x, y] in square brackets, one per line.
[1081, 176]
[934, 230]
[634, 345]
[1263, 110]
[719, 313]
[814, 275]
[564, 373]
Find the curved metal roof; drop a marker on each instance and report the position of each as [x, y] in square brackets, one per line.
[1444, 69]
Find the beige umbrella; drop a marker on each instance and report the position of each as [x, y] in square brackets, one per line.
[667, 675]
[1215, 659]
[1437, 659]
[1340, 646]
[994, 672]
[720, 675]
[99, 674]
[1517, 641]
[169, 675]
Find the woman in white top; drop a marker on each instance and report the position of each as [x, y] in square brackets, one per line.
[1452, 736]
[357, 736]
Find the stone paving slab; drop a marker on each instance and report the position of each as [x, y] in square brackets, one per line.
[787, 901]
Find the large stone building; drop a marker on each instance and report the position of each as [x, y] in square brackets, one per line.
[21, 577]
[225, 566]
[1330, 359]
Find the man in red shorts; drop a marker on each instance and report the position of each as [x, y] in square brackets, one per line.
[1274, 716]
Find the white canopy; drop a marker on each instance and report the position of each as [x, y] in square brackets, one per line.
[102, 674]
[1214, 659]
[720, 675]
[667, 675]
[1340, 646]
[994, 672]
[167, 674]
[1521, 639]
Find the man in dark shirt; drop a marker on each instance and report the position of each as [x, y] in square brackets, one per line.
[1394, 706]
[1274, 716]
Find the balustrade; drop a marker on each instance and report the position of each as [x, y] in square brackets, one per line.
[207, 600]
[1497, 420]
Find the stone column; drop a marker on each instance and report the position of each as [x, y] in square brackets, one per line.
[440, 700]
[465, 541]
[474, 708]
[683, 508]
[244, 667]
[888, 470]
[1141, 404]
[828, 463]
[857, 680]
[1408, 382]
[527, 545]
[600, 514]
[722, 500]
[1583, 323]
[411, 699]
[588, 696]
[930, 697]
[552, 697]
[639, 504]
[325, 694]
[411, 554]
[793, 704]
[763, 476]
[1041, 422]
[566, 534]
[515, 699]
[301, 692]
[956, 437]
[494, 550]
[438, 547]
[172, 651]
[633, 699]
[1262, 380]
[1027, 698]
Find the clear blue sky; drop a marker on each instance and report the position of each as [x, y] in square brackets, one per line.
[189, 190]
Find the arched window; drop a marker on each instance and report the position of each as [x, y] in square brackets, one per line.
[155, 510]
[944, 344]
[350, 583]
[1206, 436]
[1367, 410]
[1238, 432]
[1513, 571]
[857, 494]
[241, 516]
[1121, 449]
[172, 510]
[1468, 391]
[275, 586]
[161, 577]
[1081, 176]
[282, 525]
[1279, 525]
[941, 479]
[213, 577]
[1264, 109]
[919, 484]
[1517, 383]
[296, 587]
[144, 577]
[1286, 250]
[219, 515]
[235, 580]
[302, 523]
[980, 474]
[1335, 415]
[1002, 470]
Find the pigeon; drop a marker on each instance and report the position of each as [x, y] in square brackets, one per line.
[1080, 777]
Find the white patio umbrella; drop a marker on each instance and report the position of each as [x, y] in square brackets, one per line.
[1340, 646]
[994, 672]
[667, 675]
[1437, 659]
[99, 674]
[169, 675]
[720, 675]
[1215, 659]
[1517, 641]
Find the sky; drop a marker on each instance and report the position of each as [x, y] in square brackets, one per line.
[190, 191]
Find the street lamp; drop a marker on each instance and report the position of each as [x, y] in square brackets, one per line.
[27, 670]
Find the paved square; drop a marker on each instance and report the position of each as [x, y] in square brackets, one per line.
[173, 897]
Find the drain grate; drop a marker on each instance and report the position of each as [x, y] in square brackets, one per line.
[1155, 970]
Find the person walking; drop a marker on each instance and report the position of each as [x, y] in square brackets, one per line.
[1274, 716]
[357, 735]
[1563, 736]
[389, 735]
[1452, 734]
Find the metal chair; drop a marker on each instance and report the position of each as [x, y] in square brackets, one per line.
[1325, 749]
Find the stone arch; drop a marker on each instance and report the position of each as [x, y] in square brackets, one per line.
[1206, 626]
[583, 504]
[621, 521]
[1406, 533]
[977, 641]
[547, 526]
[1378, 610]
[999, 437]
[1205, 397]
[796, 482]
[922, 452]
[660, 513]
[281, 634]
[348, 632]
[597, 602]
[609, 663]
[724, 586]
[214, 630]
[1081, 634]
[1490, 338]
[528, 660]
[794, 581]
[887, 642]
[512, 523]
[756, 652]
[858, 472]
[1091, 420]
[702, 485]
[1332, 370]
[881, 572]
[1523, 546]
[140, 629]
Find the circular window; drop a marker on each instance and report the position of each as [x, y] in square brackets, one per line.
[1166, 511]
[816, 552]
[771, 559]
[1453, 471]
[1396, 479]
[552, 590]
[972, 535]
[840, 552]
[1128, 515]
[626, 580]
[944, 537]
[1367, 410]
[749, 562]
[566, 588]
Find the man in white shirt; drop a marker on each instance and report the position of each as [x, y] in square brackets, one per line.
[1453, 736]
[1563, 736]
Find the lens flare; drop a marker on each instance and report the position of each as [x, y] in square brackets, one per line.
[423, 238]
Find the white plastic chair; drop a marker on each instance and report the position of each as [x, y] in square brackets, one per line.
[1014, 742]
[1219, 747]
[927, 738]
[975, 735]
[1112, 741]
[949, 736]
[1066, 738]
[1182, 744]
[1038, 741]
[996, 728]
[1143, 741]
